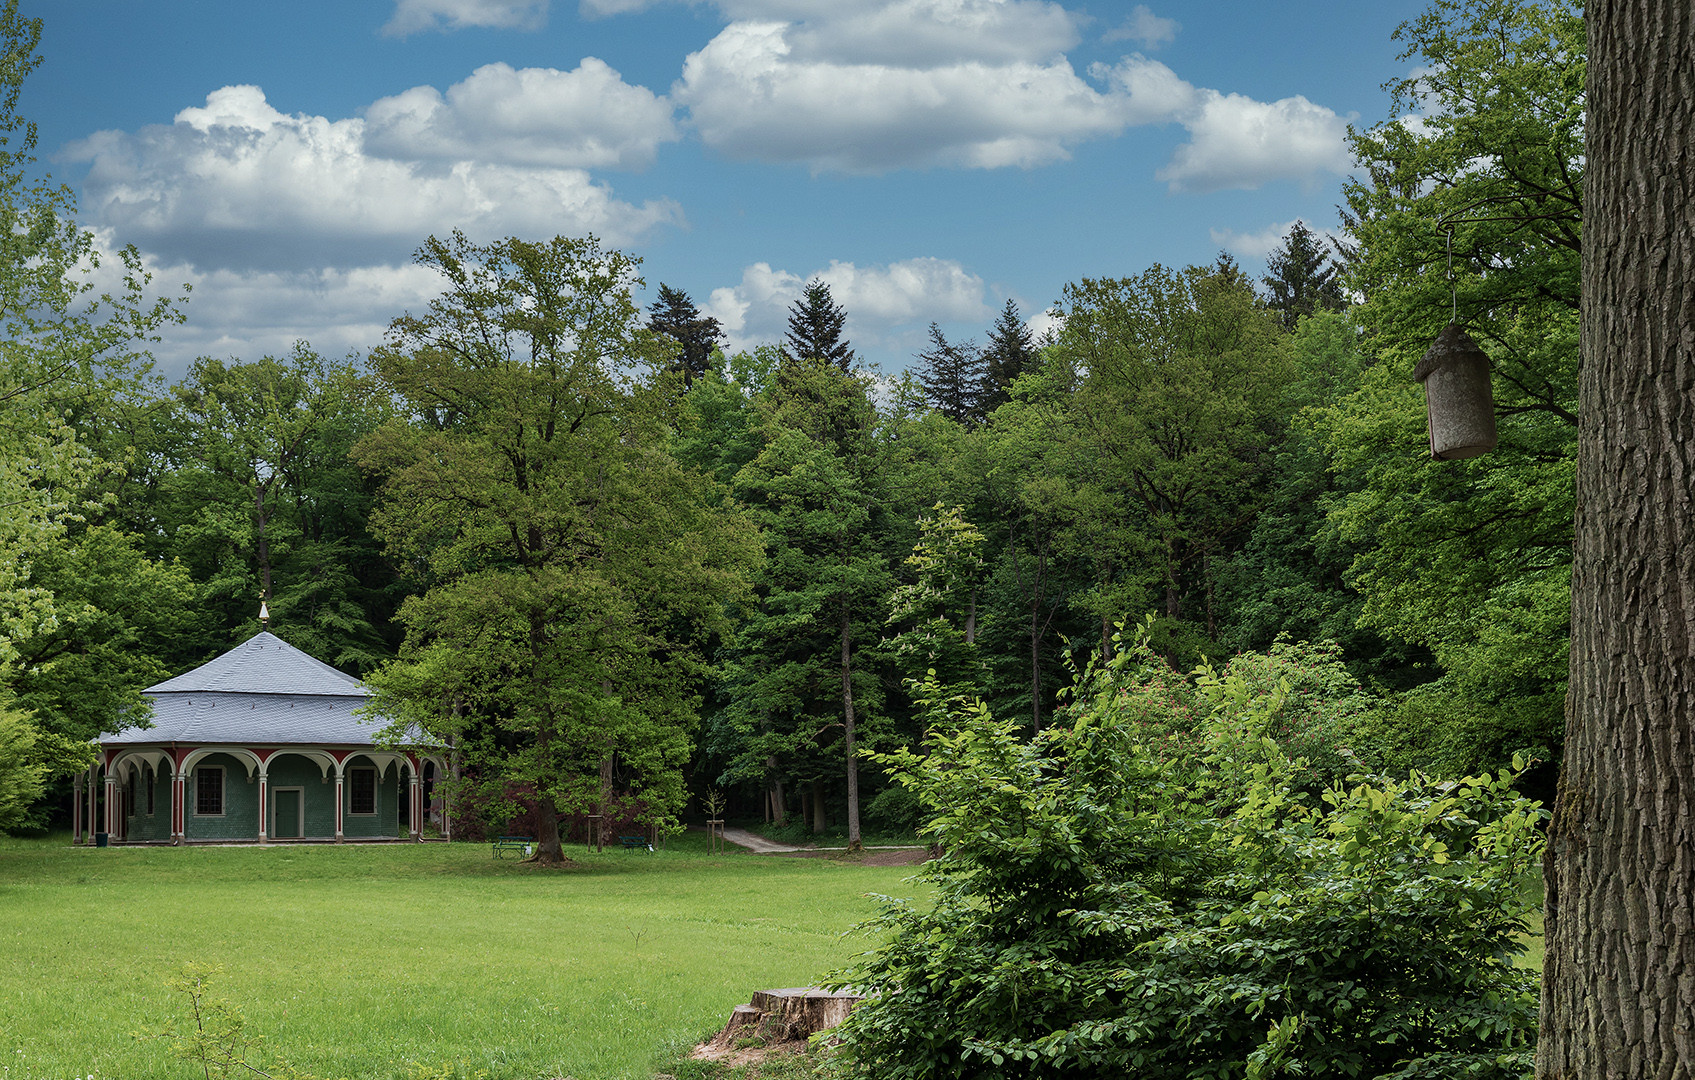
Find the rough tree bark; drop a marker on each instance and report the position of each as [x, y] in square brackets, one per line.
[1618, 991]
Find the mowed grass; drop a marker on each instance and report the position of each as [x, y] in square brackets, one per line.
[367, 961]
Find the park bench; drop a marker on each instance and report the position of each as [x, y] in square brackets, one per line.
[512, 843]
[632, 843]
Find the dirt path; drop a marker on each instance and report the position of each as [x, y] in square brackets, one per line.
[758, 844]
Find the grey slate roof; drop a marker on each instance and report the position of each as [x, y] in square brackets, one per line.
[263, 692]
[265, 664]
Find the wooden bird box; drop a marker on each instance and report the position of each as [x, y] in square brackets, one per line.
[1458, 398]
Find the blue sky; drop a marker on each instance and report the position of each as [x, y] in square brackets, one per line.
[928, 158]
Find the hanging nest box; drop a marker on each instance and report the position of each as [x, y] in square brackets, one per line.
[1458, 398]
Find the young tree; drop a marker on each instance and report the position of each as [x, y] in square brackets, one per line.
[937, 610]
[952, 376]
[816, 323]
[1010, 352]
[575, 571]
[1616, 991]
[1302, 278]
[675, 315]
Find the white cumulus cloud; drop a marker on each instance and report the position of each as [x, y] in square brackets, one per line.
[587, 118]
[751, 98]
[238, 183]
[880, 301]
[1237, 142]
[1146, 29]
[1259, 243]
[868, 86]
[412, 16]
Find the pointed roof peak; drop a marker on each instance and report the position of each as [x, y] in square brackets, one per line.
[264, 664]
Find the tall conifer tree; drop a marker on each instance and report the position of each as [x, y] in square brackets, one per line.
[953, 377]
[1010, 352]
[1302, 278]
[674, 314]
[816, 324]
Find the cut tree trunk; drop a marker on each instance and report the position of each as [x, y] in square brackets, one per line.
[775, 1017]
[1618, 988]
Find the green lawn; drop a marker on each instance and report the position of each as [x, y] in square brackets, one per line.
[364, 961]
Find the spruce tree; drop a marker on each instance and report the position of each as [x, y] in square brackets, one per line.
[1302, 278]
[815, 328]
[953, 377]
[1011, 351]
[675, 315]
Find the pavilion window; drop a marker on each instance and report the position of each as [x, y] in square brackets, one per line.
[209, 791]
[152, 780]
[362, 791]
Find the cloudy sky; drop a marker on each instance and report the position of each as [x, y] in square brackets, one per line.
[929, 159]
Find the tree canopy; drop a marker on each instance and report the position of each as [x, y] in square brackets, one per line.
[573, 572]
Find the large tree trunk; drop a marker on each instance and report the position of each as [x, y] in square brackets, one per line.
[854, 842]
[1618, 991]
[549, 851]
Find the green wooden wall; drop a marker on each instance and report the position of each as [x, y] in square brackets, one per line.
[240, 819]
[386, 821]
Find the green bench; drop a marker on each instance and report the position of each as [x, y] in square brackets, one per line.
[519, 844]
[635, 843]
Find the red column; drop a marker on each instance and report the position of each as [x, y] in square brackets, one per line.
[114, 807]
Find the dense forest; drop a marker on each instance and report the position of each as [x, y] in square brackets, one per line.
[620, 569]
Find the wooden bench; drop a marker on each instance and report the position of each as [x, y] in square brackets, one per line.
[512, 843]
[634, 843]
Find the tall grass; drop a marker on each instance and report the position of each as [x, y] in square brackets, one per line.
[364, 961]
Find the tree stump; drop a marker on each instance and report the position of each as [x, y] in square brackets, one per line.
[777, 1017]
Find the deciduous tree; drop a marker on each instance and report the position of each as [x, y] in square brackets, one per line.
[575, 571]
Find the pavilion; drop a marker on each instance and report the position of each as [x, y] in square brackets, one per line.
[261, 744]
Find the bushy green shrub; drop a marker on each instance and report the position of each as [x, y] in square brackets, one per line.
[1310, 703]
[1151, 889]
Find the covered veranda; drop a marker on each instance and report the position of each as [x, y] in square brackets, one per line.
[262, 744]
